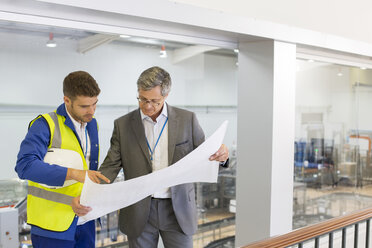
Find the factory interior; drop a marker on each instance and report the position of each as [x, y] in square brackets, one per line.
[332, 165]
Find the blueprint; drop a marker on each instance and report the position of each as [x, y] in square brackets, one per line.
[195, 167]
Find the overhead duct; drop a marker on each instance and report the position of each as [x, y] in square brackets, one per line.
[190, 51]
[91, 42]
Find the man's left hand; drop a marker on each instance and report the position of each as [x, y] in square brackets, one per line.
[79, 209]
[221, 155]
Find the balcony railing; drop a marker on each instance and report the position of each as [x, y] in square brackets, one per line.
[311, 235]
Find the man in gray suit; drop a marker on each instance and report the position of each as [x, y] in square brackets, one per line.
[148, 139]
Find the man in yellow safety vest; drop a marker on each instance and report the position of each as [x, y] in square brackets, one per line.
[69, 133]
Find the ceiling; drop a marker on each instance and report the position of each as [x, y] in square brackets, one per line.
[82, 36]
[42, 30]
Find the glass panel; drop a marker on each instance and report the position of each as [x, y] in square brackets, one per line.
[206, 83]
[332, 169]
[12, 191]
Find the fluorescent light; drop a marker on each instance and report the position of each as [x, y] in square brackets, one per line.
[124, 36]
[51, 43]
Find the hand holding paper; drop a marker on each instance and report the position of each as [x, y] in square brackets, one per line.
[195, 167]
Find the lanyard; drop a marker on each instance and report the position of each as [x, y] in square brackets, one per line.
[86, 142]
[161, 132]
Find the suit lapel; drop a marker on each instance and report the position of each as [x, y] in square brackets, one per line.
[172, 132]
[138, 129]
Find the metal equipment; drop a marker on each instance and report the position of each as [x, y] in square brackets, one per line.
[8, 228]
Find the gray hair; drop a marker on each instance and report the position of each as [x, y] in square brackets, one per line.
[155, 76]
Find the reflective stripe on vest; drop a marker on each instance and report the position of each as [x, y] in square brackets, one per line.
[56, 142]
[57, 139]
[50, 195]
[49, 208]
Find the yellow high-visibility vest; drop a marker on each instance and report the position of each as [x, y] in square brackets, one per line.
[50, 208]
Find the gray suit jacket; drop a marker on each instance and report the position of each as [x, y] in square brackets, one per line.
[129, 151]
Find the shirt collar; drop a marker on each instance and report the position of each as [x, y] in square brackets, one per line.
[164, 113]
[77, 124]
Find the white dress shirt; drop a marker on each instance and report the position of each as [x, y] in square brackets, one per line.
[81, 130]
[160, 153]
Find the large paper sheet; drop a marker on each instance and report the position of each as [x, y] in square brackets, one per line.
[195, 167]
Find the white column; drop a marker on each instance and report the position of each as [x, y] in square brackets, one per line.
[266, 117]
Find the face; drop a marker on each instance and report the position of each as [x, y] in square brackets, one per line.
[151, 96]
[82, 108]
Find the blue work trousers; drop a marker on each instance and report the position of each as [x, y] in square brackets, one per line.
[85, 237]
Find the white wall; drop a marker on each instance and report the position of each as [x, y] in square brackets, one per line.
[32, 75]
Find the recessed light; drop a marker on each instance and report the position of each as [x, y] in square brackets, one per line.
[124, 36]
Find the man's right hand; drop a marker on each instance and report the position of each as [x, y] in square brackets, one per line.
[79, 175]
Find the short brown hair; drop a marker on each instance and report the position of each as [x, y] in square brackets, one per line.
[80, 83]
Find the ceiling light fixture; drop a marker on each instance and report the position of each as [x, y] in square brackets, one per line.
[51, 42]
[124, 36]
[310, 61]
[163, 53]
[236, 50]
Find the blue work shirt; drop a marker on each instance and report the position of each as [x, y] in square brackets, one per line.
[30, 164]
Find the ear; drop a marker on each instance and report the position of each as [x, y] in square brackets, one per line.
[165, 97]
[67, 100]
